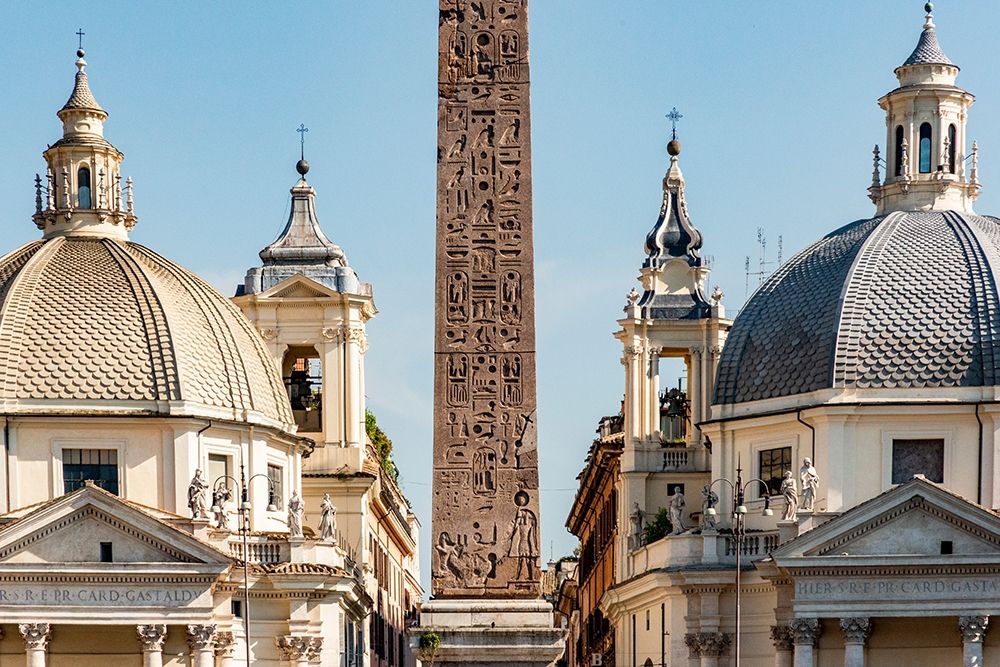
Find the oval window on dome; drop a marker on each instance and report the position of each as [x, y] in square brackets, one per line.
[83, 188]
[899, 150]
[925, 148]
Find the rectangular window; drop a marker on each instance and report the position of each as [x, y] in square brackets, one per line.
[97, 465]
[107, 553]
[218, 468]
[917, 457]
[236, 606]
[772, 464]
[276, 488]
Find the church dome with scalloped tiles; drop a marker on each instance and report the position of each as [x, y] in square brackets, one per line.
[907, 299]
[904, 300]
[104, 325]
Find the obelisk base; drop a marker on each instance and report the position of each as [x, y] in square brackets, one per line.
[489, 633]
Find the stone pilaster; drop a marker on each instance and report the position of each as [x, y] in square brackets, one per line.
[295, 650]
[201, 639]
[784, 643]
[225, 644]
[36, 642]
[152, 637]
[973, 632]
[805, 634]
[856, 630]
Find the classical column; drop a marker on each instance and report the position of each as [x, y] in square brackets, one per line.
[654, 390]
[224, 645]
[295, 650]
[694, 392]
[36, 642]
[805, 632]
[152, 637]
[856, 630]
[973, 631]
[201, 639]
[784, 643]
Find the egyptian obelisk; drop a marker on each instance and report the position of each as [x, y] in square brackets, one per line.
[485, 525]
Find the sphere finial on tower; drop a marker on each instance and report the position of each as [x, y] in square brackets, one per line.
[302, 166]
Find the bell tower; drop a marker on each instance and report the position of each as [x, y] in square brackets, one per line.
[926, 161]
[82, 193]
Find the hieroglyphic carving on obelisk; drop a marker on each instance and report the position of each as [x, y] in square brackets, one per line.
[485, 519]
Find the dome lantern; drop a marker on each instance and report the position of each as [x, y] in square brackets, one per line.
[84, 193]
[926, 134]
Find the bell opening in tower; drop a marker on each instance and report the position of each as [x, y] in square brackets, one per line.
[302, 372]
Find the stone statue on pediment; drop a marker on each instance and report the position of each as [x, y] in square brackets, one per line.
[810, 485]
[196, 496]
[791, 496]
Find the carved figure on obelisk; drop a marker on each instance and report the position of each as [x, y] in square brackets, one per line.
[485, 502]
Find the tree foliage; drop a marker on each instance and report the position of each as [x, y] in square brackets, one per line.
[383, 445]
[659, 527]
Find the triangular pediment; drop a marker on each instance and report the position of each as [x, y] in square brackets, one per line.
[70, 529]
[298, 287]
[918, 519]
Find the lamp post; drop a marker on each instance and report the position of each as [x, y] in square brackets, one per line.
[243, 484]
[739, 489]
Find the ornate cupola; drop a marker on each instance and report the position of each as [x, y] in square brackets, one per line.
[302, 248]
[926, 115]
[82, 193]
[673, 273]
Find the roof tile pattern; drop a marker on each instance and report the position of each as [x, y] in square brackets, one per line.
[781, 342]
[909, 300]
[928, 51]
[87, 319]
[81, 97]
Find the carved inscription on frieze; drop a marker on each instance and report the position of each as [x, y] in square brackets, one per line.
[485, 521]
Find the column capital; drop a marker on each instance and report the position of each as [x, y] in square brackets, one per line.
[201, 637]
[782, 637]
[708, 644]
[151, 636]
[294, 647]
[225, 643]
[36, 635]
[805, 630]
[973, 627]
[315, 647]
[856, 629]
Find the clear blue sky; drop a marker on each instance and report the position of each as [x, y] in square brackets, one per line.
[779, 121]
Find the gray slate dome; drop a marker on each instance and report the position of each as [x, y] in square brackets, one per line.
[103, 325]
[909, 299]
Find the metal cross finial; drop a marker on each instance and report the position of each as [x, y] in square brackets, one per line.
[80, 33]
[302, 129]
[673, 117]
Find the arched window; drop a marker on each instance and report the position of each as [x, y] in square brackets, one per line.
[952, 147]
[925, 148]
[83, 187]
[899, 150]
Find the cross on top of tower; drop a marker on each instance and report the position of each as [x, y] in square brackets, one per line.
[302, 166]
[80, 33]
[302, 129]
[673, 117]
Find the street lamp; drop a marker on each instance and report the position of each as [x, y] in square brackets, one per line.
[739, 489]
[243, 484]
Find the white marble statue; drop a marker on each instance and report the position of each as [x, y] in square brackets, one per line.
[295, 511]
[196, 496]
[791, 495]
[328, 519]
[709, 499]
[220, 497]
[810, 485]
[677, 512]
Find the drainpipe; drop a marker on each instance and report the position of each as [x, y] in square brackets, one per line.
[979, 484]
[798, 416]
